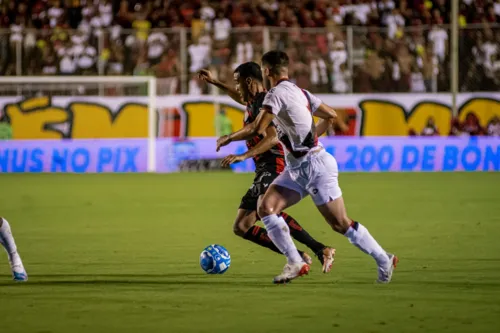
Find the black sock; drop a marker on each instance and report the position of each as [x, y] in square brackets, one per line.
[258, 235]
[301, 234]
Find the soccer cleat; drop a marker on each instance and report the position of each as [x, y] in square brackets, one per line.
[385, 273]
[19, 273]
[326, 257]
[307, 258]
[292, 271]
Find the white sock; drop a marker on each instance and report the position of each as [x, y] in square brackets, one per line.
[361, 238]
[278, 231]
[7, 240]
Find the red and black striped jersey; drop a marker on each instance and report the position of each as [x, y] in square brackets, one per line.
[273, 158]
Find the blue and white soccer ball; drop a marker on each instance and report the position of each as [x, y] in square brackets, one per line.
[215, 259]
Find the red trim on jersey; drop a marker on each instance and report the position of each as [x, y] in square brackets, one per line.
[308, 103]
[280, 165]
[310, 110]
[255, 230]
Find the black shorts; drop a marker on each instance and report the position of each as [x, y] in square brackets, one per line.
[261, 182]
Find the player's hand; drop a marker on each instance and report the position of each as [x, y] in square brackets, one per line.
[230, 159]
[206, 76]
[343, 127]
[223, 141]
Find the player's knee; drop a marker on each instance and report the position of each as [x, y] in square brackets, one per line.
[266, 208]
[240, 228]
[238, 231]
[341, 224]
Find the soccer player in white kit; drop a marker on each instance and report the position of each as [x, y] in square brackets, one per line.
[7, 241]
[310, 170]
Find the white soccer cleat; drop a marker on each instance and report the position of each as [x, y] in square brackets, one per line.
[292, 271]
[385, 273]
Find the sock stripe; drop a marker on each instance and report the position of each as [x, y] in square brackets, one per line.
[354, 225]
[255, 230]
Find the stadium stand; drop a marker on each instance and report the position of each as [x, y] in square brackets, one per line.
[335, 46]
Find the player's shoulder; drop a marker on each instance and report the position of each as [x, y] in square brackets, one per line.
[283, 86]
[277, 92]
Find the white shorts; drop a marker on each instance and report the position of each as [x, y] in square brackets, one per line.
[316, 176]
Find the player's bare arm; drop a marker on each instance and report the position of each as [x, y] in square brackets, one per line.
[207, 76]
[330, 117]
[270, 140]
[258, 127]
[325, 112]
[323, 125]
[263, 121]
[245, 133]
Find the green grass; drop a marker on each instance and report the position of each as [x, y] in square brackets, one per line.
[119, 253]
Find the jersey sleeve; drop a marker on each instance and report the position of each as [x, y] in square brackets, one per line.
[272, 102]
[314, 100]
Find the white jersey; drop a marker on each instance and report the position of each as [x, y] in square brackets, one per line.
[293, 108]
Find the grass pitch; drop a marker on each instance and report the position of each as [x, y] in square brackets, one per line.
[119, 253]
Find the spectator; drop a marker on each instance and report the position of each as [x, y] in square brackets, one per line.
[86, 57]
[417, 82]
[222, 28]
[318, 72]
[157, 44]
[338, 55]
[167, 71]
[403, 67]
[200, 56]
[439, 37]
[394, 22]
[49, 66]
[207, 14]
[340, 80]
[105, 10]
[195, 88]
[244, 51]
[471, 125]
[55, 13]
[493, 128]
[430, 128]
[142, 69]
[223, 123]
[67, 62]
[5, 129]
[385, 26]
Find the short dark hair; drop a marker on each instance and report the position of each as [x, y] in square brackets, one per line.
[276, 61]
[250, 70]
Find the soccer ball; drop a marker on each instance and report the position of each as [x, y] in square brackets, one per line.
[215, 259]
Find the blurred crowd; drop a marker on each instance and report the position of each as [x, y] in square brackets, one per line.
[470, 126]
[336, 46]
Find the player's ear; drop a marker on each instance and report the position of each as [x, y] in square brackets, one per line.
[248, 81]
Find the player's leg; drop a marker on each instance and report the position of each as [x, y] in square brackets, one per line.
[327, 196]
[7, 241]
[324, 253]
[244, 225]
[283, 193]
[335, 214]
